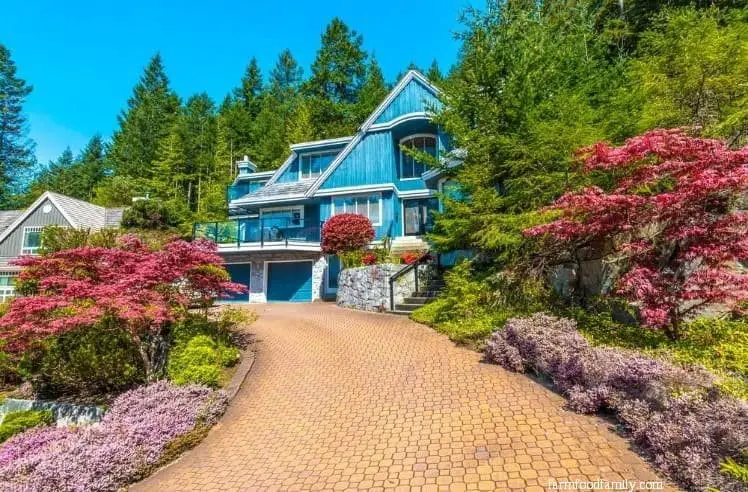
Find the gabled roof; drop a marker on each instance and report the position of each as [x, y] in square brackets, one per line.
[79, 214]
[410, 76]
[307, 189]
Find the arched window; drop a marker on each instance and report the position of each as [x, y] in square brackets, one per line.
[409, 167]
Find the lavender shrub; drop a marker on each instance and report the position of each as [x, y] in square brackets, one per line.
[674, 414]
[108, 455]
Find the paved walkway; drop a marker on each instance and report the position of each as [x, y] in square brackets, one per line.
[339, 399]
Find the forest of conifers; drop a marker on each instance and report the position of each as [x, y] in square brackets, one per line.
[533, 82]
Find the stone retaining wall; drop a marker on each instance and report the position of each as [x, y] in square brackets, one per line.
[368, 288]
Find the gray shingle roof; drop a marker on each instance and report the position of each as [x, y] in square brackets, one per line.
[7, 217]
[86, 215]
[277, 190]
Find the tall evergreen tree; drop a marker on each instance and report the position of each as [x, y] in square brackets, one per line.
[338, 72]
[373, 91]
[286, 76]
[76, 177]
[250, 90]
[147, 120]
[434, 74]
[16, 149]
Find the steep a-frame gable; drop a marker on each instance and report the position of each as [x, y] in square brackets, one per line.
[415, 97]
[412, 98]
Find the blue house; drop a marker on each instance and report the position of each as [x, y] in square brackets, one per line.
[272, 241]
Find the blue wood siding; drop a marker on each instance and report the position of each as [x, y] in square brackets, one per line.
[415, 97]
[372, 161]
[289, 281]
[240, 274]
[291, 173]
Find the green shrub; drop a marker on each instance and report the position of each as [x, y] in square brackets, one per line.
[151, 214]
[87, 361]
[201, 348]
[736, 470]
[199, 361]
[471, 306]
[17, 422]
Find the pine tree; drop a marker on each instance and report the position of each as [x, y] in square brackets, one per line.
[286, 76]
[16, 150]
[373, 91]
[147, 120]
[300, 127]
[434, 74]
[250, 90]
[338, 72]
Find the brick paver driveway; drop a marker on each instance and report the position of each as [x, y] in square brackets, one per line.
[339, 399]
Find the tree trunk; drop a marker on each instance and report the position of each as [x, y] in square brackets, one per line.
[152, 350]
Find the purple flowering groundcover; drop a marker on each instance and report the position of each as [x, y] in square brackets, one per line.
[131, 437]
[674, 414]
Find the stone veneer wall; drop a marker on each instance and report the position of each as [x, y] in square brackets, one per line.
[368, 288]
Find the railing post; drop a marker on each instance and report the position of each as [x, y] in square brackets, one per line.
[416, 273]
[285, 233]
[392, 293]
[215, 232]
[262, 233]
[238, 234]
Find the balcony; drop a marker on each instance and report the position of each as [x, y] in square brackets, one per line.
[253, 234]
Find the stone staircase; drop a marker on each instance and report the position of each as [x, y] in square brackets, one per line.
[402, 244]
[426, 294]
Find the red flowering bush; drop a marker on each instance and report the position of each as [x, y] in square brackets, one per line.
[346, 232]
[410, 257]
[672, 218]
[369, 259]
[141, 290]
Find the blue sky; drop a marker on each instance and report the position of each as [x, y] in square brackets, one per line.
[84, 57]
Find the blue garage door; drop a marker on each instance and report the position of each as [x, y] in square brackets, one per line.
[240, 273]
[290, 281]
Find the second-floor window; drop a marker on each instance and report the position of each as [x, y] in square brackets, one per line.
[367, 205]
[409, 167]
[312, 165]
[32, 240]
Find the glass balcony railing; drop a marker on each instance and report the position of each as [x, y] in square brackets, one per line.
[275, 230]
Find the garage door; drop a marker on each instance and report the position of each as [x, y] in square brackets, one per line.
[240, 273]
[290, 281]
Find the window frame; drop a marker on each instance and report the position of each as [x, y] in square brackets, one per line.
[8, 291]
[300, 208]
[311, 155]
[31, 251]
[367, 196]
[403, 140]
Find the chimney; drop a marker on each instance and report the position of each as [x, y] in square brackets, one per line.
[246, 166]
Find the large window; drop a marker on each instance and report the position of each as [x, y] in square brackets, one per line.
[282, 217]
[312, 165]
[32, 240]
[409, 167]
[7, 289]
[367, 205]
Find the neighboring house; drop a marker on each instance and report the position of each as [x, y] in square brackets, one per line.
[20, 230]
[272, 241]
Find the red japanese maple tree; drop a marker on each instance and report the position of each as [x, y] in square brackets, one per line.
[673, 218]
[346, 232]
[141, 290]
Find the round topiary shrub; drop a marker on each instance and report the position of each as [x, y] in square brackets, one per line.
[346, 232]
